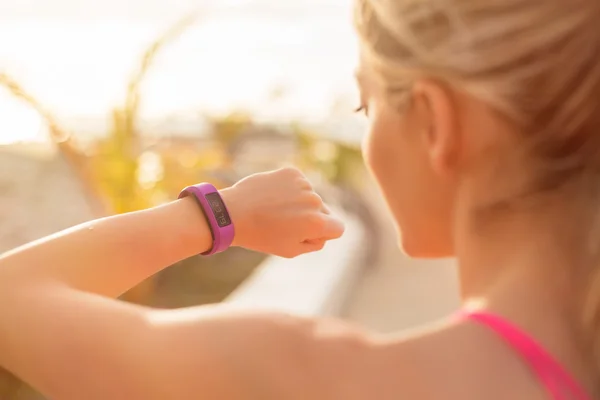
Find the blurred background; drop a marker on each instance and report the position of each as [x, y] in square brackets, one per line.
[112, 106]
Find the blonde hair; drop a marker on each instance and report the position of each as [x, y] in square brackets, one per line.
[536, 62]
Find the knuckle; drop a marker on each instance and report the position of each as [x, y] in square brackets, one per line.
[314, 200]
[291, 171]
[303, 183]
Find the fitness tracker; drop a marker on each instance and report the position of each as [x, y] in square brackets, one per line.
[212, 205]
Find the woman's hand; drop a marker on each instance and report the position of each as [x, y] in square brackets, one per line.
[278, 212]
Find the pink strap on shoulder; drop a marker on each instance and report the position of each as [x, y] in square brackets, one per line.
[557, 381]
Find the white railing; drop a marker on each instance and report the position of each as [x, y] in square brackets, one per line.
[312, 284]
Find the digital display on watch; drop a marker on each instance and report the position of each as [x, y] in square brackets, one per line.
[218, 208]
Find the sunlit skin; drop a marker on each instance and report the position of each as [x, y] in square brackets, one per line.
[449, 168]
[435, 159]
[427, 158]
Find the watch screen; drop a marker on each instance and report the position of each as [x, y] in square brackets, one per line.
[218, 209]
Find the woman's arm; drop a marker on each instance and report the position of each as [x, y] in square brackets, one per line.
[275, 212]
[59, 332]
[110, 255]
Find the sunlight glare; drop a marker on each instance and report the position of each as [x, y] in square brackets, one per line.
[18, 122]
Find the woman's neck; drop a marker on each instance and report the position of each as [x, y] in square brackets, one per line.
[532, 267]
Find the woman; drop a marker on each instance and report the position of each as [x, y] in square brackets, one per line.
[485, 140]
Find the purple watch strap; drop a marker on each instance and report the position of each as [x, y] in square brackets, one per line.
[215, 211]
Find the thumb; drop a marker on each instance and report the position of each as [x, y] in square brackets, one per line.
[310, 246]
[331, 228]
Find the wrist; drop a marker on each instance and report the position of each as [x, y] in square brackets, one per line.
[232, 202]
[193, 228]
[212, 204]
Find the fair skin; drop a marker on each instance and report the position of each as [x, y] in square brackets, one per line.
[60, 331]
[445, 147]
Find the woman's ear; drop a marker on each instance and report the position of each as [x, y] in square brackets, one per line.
[437, 115]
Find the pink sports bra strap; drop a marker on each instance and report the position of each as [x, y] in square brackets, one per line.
[558, 382]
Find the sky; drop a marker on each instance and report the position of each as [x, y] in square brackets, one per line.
[155, 9]
[76, 56]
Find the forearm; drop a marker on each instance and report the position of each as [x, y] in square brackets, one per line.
[111, 255]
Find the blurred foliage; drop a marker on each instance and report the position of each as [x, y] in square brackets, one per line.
[116, 162]
[126, 172]
[340, 163]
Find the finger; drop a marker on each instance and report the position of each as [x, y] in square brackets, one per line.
[329, 228]
[305, 183]
[313, 200]
[314, 241]
[313, 245]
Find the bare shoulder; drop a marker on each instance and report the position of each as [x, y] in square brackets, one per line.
[332, 359]
[230, 354]
[274, 356]
[350, 362]
[304, 358]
